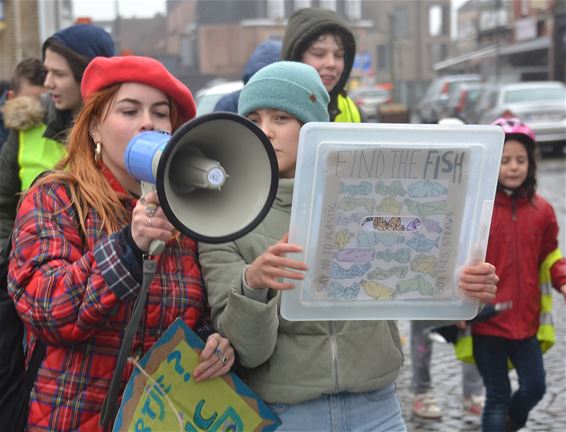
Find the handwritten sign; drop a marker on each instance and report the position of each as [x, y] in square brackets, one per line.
[161, 394]
[387, 215]
[388, 231]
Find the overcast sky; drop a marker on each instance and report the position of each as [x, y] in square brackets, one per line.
[106, 9]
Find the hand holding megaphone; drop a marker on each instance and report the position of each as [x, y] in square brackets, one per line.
[150, 227]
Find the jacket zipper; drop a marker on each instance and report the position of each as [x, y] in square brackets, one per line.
[515, 239]
[334, 355]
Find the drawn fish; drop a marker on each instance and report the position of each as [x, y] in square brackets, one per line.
[418, 284]
[395, 188]
[420, 243]
[424, 209]
[356, 271]
[426, 189]
[413, 225]
[372, 238]
[342, 238]
[355, 255]
[426, 264]
[401, 256]
[391, 224]
[364, 188]
[390, 206]
[382, 274]
[349, 203]
[377, 290]
[432, 225]
[338, 291]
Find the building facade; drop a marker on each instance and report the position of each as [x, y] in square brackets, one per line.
[510, 41]
[24, 25]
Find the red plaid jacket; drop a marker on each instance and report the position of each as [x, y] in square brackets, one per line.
[79, 297]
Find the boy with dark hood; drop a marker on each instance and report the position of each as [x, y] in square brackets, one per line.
[323, 40]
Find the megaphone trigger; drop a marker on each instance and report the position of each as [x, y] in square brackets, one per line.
[155, 246]
[216, 177]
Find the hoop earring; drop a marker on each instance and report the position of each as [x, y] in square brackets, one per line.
[98, 151]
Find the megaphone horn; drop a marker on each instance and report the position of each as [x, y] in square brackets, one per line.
[216, 177]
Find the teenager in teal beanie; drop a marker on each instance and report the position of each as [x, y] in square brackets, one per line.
[287, 86]
[315, 375]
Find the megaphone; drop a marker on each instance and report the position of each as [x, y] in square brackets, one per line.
[216, 177]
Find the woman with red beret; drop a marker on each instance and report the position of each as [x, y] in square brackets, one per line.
[80, 233]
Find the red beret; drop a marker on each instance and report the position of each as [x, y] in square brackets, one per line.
[103, 72]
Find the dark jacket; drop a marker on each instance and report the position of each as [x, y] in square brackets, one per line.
[522, 235]
[58, 123]
[3, 129]
[265, 53]
[306, 25]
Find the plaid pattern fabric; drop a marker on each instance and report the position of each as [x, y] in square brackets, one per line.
[78, 299]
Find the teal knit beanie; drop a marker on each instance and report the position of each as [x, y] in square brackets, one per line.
[288, 86]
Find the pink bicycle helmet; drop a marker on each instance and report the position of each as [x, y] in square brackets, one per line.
[515, 128]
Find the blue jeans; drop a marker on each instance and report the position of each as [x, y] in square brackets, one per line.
[375, 411]
[503, 410]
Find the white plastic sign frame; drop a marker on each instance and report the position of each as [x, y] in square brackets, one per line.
[387, 214]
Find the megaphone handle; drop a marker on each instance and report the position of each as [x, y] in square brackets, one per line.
[156, 246]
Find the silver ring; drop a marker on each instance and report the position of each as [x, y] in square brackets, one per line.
[149, 222]
[223, 359]
[150, 210]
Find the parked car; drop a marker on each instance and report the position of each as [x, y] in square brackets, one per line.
[368, 99]
[486, 99]
[432, 107]
[207, 97]
[463, 99]
[540, 105]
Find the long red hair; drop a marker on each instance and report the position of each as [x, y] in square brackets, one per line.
[79, 170]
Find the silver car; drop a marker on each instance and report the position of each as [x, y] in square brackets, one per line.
[432, 106]
[369, 99]
[540, 105]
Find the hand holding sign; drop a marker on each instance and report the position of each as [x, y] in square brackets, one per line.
[216, 358]
[163, 393]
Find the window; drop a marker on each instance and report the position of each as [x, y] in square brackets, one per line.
[382, 57]
[275, 9]
[328, 4]
[300, 4]
[400, 22]
[435, 20]
[353, 9]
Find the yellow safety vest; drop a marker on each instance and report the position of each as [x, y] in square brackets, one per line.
[37, 154]
[546, 334]
[349, 112]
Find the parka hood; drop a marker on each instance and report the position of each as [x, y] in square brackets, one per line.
[23, 112]
[266, 53]
[306, 25]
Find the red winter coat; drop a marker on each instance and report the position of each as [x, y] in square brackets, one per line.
[79, 302]
[522, 234]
